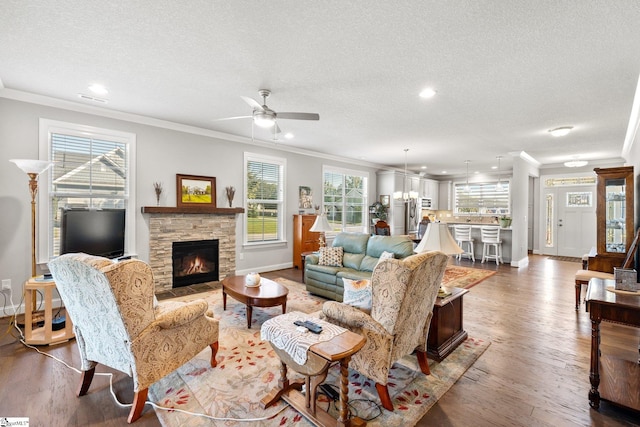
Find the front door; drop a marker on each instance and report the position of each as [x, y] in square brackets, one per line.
[570, 220]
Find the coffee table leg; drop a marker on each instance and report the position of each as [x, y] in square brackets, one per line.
[284, 310]
[224, 300]
[249, 313]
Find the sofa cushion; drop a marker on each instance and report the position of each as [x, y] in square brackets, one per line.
[331, 256]
[357, 293]
[401, 246]
[354, 243]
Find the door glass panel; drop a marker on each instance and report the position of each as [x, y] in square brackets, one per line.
[615, 208]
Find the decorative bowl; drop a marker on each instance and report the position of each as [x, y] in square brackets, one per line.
[252, 280]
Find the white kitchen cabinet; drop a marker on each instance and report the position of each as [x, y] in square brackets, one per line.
[445, 197]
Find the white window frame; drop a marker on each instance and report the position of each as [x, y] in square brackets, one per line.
[48, 127]
[350, 172]
[282, 163]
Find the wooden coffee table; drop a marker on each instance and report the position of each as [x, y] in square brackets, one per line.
[268, 294]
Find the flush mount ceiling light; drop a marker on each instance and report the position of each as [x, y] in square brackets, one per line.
[561, 131]
[428, 93]
[288, 135]
[576, 163]
[98, 89]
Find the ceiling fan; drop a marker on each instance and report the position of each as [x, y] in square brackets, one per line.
[265, 117]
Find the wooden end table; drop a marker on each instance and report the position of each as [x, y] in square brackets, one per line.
[446, 331]
[320, 357]
[268, 294]
[612, 378]
[44, 335]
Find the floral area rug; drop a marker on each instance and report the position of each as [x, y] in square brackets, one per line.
[248, 369]
[464, 277]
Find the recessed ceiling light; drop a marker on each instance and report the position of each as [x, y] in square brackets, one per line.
[428, 93]
[288, 135]
[98, 89]
[576, 163]
[561, 131]
[423, 167]
[443, 172]
[494, 167]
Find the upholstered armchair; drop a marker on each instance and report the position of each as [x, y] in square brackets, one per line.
[119, 323]
[403, 296]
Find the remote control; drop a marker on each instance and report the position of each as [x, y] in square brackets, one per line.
[312, 327]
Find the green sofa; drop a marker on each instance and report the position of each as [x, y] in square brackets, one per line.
[361, 254]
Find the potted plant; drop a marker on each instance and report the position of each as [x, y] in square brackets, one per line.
[505, 221]
[378, 211]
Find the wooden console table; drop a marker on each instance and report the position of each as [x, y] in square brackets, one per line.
[446, 331]
[45, 334]
[320, 356]
[612, 378]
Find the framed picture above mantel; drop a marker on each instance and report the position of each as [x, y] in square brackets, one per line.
[195, 191]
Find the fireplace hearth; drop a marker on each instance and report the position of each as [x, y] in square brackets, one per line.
[195, 262]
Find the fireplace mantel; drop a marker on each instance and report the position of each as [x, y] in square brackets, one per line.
[191, 210]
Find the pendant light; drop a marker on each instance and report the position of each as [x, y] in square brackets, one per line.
[466, 187]
[499, 184]
[406, 194]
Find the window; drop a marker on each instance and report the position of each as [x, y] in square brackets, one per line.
[264, 187]
[92, 169]
[344, 194]
[482, 198]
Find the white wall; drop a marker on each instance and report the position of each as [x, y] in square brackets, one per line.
[161, 154]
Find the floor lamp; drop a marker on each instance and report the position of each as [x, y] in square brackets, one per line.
[438, 238]
[33, 168]
[321, 225]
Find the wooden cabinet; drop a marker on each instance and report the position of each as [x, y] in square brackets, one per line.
[303, 239]
[614, 217]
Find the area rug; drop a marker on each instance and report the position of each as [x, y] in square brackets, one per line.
[464, 277]
[248, 369]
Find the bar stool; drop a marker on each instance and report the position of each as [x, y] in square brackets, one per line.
[490, 236]
[462, 235]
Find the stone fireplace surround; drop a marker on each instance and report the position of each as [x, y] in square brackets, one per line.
[168, 225]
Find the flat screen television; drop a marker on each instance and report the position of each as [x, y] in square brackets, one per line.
[94, 232]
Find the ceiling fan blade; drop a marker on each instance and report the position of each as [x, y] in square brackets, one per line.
[233, 118]
[299, 116]
[253, 103]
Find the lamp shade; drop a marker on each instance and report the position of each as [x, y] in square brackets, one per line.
[32, 166]
[438, 238]
[321, 225]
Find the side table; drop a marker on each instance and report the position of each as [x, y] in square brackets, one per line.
[446, 331]
[43, 335]
[320, 357]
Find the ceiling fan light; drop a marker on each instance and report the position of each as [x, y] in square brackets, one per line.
[576, 163]
[264, 120]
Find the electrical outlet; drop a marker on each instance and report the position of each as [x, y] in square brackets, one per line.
[6, 284]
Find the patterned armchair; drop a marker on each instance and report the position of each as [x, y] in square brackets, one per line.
[119, 323]
[404, 292]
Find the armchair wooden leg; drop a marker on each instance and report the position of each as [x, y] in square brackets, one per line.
[85, 381]
[385, 399]
[139, 399]
[423, 362]
[578, 292]
[214, 351]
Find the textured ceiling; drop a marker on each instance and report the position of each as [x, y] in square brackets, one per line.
[506, 71]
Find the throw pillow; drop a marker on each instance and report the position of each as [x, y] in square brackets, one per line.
[331, 256]
[357, 293]
[385, 255]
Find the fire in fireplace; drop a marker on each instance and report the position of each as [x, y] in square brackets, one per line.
[195, 262]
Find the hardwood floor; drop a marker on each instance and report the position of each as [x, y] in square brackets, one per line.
[534, 373]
